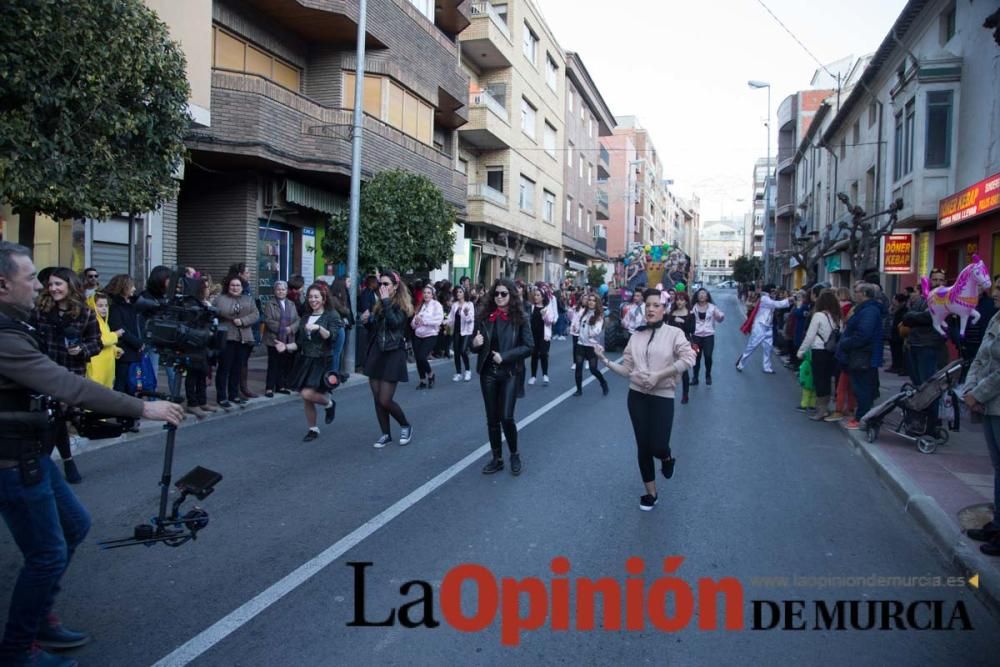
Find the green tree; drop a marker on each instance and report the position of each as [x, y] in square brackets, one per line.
[92, 109]
[405, 225]
[595, 275]
[747, 269]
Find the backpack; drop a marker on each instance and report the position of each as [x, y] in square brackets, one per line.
[830, 344]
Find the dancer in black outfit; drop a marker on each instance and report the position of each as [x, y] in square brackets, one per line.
[591, 335]
[503, 340]
[683, 319]
[385, 365]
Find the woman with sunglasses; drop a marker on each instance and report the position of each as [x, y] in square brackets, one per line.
[706, 316]
[653, 360]
[591, 334]
[426, 327]
[385, 364]
[503, 340]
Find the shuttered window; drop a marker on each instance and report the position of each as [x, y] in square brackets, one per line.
[109, 259]
[237, 54]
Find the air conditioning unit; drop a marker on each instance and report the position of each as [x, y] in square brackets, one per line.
[273, 198]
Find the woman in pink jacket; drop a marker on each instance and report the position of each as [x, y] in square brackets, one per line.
[426, 323]
[462, 320]
[543, 316]
[653, 360]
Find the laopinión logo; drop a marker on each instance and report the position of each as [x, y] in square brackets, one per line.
[668, 604]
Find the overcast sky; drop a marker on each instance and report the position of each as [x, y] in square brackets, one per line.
[682, 68]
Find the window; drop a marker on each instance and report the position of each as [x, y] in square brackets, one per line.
[425, 7]
[947, 24]
[530, 44]
[569, 156]
[581, 165]
[588, 220]
[569, 100]
[856, 133]
[234, 53]
[549, 139]
[903, 139]
[590, 127]
[526, 196]
[937, 147]
[872, 114]
[403, 110]
[590, 174]
[549, 210]
[579, 216]
[527, 118]
[551, 72]
[494, 178]
[569, 209]
[463, 165]
[843, 148]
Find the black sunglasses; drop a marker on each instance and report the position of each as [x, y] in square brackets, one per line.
[93, 275]
[503, 293]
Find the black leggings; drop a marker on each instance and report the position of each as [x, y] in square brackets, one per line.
[461, 344]
[706, 345]
[584, 353]
[540, 352]
[500, 396]
[652, 420]
[227, 376]
[422, 348]
[383, 393]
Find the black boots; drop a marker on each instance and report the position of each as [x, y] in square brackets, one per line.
[495, 465]
[71, 472]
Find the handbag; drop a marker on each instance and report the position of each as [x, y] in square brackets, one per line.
[142, 375]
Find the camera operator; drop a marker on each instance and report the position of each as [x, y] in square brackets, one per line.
[44, 517]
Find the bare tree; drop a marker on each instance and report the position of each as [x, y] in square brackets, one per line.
[807, 250]
[865, 234]
[512, 256]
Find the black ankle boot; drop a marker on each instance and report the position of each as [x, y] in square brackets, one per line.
[72, 474]
[495, 465]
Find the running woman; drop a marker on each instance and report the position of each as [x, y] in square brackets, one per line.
[462, 320]
[591, 326]
[706, 316]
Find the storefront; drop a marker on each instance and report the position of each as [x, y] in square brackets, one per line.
[969, 224]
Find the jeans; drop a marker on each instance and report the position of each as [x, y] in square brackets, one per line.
[47, 522]
[421, 350]
[991, 428]
[924, 364]
[174, 380]
[863, 383]
[706, 346]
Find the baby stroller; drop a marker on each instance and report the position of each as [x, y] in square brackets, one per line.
[914, 401]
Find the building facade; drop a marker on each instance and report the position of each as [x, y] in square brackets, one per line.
[720, 244]
[759, 230]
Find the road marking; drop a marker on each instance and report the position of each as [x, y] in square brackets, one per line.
[215, 633]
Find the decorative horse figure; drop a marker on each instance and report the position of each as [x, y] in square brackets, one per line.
[959, 299]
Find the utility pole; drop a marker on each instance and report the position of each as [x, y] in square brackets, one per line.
[355, 203]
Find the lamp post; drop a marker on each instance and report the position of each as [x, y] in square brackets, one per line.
[768, 232]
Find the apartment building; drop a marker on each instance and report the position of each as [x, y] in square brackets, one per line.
[720, 244]
[757, 243]
[920, 126]
[640, 181]
[586, 172]
[274, 161]
[620, 185]
[511, 148]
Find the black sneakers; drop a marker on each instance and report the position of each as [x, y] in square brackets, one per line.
[331, 412]
[310, 435]
[694, 381]
[515, 464]
[495, 465]
[708, 380]
[667, 468]
[647, 502]
[386, 439]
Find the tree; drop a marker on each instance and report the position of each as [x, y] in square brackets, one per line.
[747, 269]
[595, 275]
[511, 255]
[406, 225]
[93, 102]
[864, 238]
[807, 251]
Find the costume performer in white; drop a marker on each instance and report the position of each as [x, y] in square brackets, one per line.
[762, 332]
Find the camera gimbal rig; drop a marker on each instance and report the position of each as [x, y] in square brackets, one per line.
[175, 529]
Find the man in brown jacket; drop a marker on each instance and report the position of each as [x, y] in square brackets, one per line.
[45, 519]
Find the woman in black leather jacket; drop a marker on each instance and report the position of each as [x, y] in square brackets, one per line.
[503, 340]
[385, 364]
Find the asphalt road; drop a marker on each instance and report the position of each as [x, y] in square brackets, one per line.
[759, 491]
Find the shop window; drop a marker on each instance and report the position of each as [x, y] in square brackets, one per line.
[273, 259]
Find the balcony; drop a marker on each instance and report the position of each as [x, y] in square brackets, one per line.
[602, 205]
[257, 123]
[604, 164]
[487, 41]
[489, 123]
[485, 192]
[487, 205]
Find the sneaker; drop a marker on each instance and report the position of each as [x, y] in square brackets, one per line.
[578, 393]
[284, 391]
[684, 400]
[457, 377]
[647, 502]
[545, 380]
[985, 534]
[310, 435]
[330, 412]
[769, 371]
[495, 465]
[515, 464]
[667, 467]
[386, 439]
[405, 435]
[225, 405]
[694, 381]
[268, 394]
[739, 368]
[36, 657]
[531, 380]
[53, 634]
[708, 380]
[572, 367]
[834, 417]
[468, 376]
[801, 408]
[853, 425]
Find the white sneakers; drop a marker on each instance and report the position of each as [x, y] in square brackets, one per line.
[545, 380]
[468, 375]
[457, 377]
[532, 380]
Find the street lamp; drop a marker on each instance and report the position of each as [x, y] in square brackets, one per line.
[756, 85]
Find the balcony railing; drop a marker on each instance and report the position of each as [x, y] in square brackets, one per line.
[484, 98]
[485, 8]
[486, 192]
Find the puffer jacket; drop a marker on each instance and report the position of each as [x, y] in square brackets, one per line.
[983, 379]
[864, 327]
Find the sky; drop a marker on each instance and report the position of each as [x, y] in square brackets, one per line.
[682, 68]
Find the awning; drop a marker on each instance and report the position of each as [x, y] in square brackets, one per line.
[314, 198]
[576, 266]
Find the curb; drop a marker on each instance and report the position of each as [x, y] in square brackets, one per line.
[80, 445]
[942, 529]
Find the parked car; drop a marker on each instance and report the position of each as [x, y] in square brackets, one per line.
[727, 284]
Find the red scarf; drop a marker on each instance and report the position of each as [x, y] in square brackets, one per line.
[502, 314]
[748, 324]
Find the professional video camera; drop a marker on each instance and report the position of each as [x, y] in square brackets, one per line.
[183, 330]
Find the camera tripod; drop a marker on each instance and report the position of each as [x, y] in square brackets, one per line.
[173, 529]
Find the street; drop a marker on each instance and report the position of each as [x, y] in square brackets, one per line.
[759, 491]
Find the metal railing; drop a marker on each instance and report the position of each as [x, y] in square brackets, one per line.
[484, 98]
[485, 8]
[489, 194]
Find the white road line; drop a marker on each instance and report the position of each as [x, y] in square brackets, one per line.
[209, 637]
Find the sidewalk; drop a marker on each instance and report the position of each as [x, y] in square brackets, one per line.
[946, 492]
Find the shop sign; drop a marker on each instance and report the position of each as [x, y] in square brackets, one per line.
[897, 253]
[925, 244]
[975, 200]
[308, 252]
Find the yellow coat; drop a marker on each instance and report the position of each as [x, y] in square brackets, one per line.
[101, 369]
